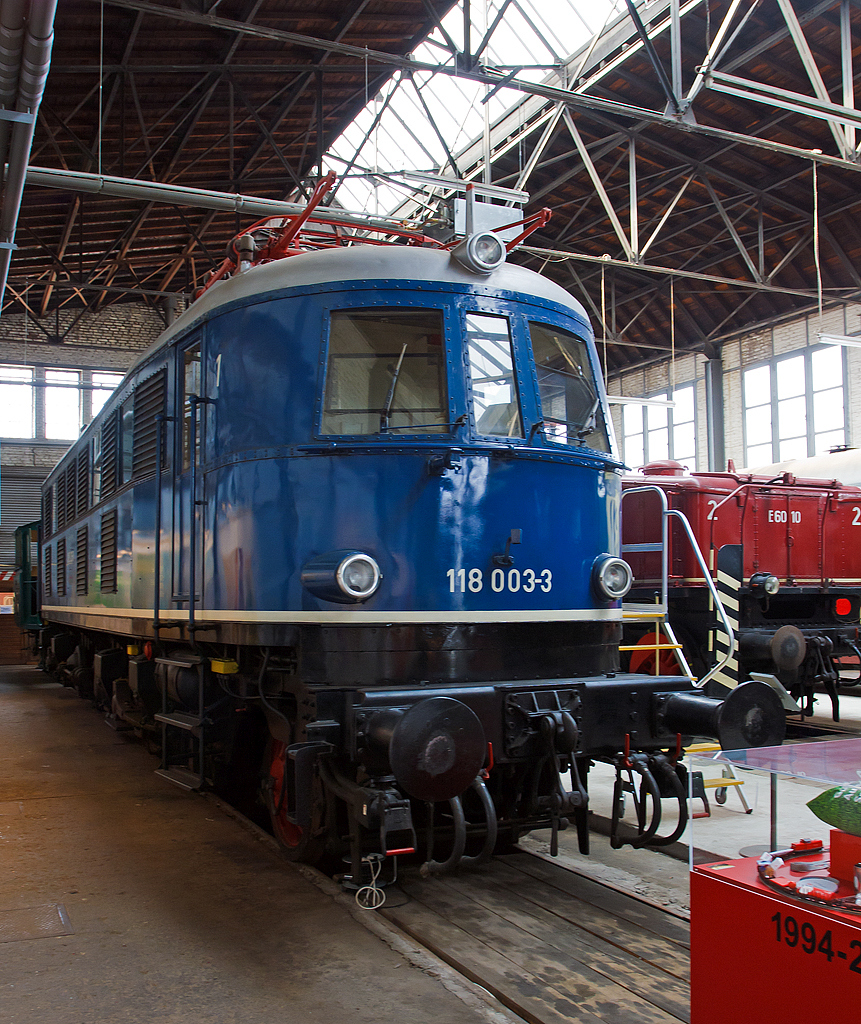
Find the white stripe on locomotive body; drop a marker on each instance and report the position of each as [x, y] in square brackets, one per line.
[344, 616]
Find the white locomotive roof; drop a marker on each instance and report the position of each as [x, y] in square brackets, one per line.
[365, 263]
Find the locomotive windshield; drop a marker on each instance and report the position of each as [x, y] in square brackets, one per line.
[385, 372]
[491, 372]
[570, 405]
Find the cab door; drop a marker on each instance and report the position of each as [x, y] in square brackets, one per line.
[189, 481]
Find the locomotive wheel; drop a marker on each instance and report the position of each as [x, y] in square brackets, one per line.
[644, 660]
[297, 845]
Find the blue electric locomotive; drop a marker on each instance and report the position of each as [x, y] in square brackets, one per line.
[347, 537]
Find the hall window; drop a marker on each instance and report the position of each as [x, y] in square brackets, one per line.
[104, 385]
[62, 404]
[654, 433]
[16, 401]
[794, 407]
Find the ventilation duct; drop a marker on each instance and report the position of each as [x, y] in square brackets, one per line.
[26, 39]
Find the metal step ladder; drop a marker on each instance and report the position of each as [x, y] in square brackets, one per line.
[183, 735]
[658, 613]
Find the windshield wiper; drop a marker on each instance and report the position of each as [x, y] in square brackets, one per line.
[590, 423]
[385, 415]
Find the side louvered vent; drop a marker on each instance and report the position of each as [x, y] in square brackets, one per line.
[81, 561]
[71, 476]
[149, 403]
[109, 455]
[61, 567]
[48, 513]
[109, 552]
[61, 501]
[83, 469]
[48, 580]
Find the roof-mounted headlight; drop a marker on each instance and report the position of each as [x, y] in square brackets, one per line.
[764, 584]
[482, 253]
[611, 578]
[342, 576]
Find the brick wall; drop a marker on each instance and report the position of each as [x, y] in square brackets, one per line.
[110, 340]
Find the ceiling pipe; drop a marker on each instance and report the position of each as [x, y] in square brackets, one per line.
[35, 62]
[177, 195]
[11, 47]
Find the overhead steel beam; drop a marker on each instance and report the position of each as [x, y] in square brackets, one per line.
[846, 66]
[783, 99]
[809, 62]
[654, 60]
[599, 185]
[577, 98]
[649, 268]
[731, 229]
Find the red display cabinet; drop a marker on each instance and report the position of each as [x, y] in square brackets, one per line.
[762, 955]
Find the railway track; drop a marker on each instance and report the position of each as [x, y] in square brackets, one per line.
[551, 945]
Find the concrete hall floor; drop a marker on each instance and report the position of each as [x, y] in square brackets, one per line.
[125, 900]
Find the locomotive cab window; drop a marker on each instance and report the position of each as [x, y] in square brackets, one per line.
[386, 372]
[491, 375]
[570, 406]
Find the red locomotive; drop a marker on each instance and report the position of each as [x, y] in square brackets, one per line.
[786, 554]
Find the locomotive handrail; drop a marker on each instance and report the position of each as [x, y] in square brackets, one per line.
[666, 512]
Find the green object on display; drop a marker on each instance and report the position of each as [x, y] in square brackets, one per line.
[840, 807]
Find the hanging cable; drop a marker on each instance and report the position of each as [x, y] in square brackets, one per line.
[672, 380]
[101, 76]
[816, 254]
[371, 896]
[604, 320]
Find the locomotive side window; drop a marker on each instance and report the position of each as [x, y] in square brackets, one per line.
[570, 405]
[97, 467]
[491, 372]
[127, 423]
[191, 386]
[386, 372]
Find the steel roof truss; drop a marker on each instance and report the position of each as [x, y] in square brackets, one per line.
[809, 62]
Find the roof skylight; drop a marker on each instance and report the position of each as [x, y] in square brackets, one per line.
[421, 121]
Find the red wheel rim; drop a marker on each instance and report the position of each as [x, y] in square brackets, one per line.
[643, 660]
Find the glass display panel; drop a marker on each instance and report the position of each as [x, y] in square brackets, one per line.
[570, 405]
[491, 370]
[386, 372]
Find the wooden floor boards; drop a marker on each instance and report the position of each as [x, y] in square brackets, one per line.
[552, 945]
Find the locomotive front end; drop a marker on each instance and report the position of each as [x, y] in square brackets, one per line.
[356, 521]
[451, 569]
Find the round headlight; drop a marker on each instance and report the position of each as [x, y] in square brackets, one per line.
[342, 576]
[764, 583]
[358, 576]
[481, 253]
[612, 578]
